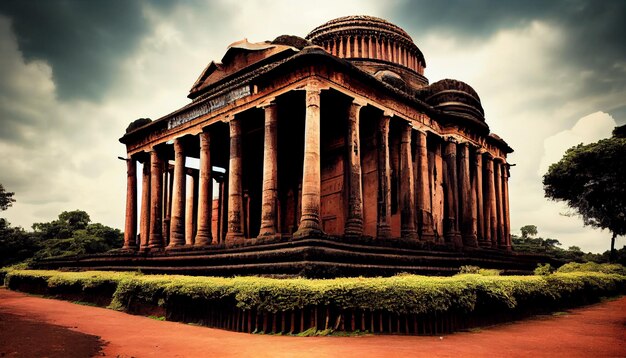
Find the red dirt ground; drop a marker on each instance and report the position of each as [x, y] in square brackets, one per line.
[30, 326]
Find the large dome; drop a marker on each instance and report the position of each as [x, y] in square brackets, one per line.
[369, 38]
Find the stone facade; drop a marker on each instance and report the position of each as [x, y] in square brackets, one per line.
[336, 136]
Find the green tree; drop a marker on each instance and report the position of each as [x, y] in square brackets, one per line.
[528, 230]
[64, 226]
[74, 234]
[591, 179]
[6, 199]
[15, 244]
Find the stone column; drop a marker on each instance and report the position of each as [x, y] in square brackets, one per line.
[340, 54]
[270, 173]
[383, 230]
[478, 191]
[499, 202]
[407, 211]
[144, 223]
[177, 223]
[234, 235]
[354, 222]
[505, 197]
[490, 203]
[156, 195]
[424, 214]
[204, 236]
[190, 218]
[468, 219]
[451, 223]
[168, 178]
[130, 228]
[311, 175]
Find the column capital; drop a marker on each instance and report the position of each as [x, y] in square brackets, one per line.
[269, 102]
[359, 102]
[421, 129]
[315, 85]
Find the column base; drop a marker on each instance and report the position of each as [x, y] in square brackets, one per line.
[234, 239]
[427, 236]
[455, 239]
[470, 240]
[156, 241]
[177, 239]
[266, 232]
[409, 235]
[383, 231]
[304, 233]
[271, 238]
[203, 239]
[354, 228]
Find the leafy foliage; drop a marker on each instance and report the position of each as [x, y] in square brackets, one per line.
[6, 198]
[593, 267]
[16, 245]
[469, 269]
[591, 179]
[529, 242]
[403, 294]
[544, 269]
[71, 234]
[528, 231]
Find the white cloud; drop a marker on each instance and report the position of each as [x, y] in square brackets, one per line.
[587, 130]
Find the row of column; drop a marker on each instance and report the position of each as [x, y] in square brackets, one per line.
[191, 229]
[375, 48]
[476, 197]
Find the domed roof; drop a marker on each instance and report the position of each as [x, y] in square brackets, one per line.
[358, 24]
[387, 41]
[453, 85]
[455, 97]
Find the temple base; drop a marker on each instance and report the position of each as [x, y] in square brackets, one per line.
[310, 257]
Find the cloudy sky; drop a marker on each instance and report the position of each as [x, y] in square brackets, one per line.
[73, 74]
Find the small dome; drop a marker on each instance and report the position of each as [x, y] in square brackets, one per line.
[293, 41]
[391, 78]
[455, 97]
[137, 123]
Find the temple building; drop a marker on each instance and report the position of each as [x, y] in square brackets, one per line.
[331, 151]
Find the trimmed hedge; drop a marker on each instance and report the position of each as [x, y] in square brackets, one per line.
[593, 267]
[183, 297]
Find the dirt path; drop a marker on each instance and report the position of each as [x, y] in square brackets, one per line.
[595, 331]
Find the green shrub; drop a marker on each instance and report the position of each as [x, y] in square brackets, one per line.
[543, 269]
[593, 267]
[403, 294]
[469, 269]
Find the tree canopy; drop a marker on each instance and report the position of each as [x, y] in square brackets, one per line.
[6, 198]
[591, 179]
[72, 233]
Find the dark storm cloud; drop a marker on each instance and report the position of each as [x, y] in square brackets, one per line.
[83, 41]
[594, 30]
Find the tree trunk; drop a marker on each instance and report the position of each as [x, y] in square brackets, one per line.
[612, 256]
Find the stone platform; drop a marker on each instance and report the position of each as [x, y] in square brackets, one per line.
[313, 257]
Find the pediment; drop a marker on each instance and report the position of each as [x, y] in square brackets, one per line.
[238, 56]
